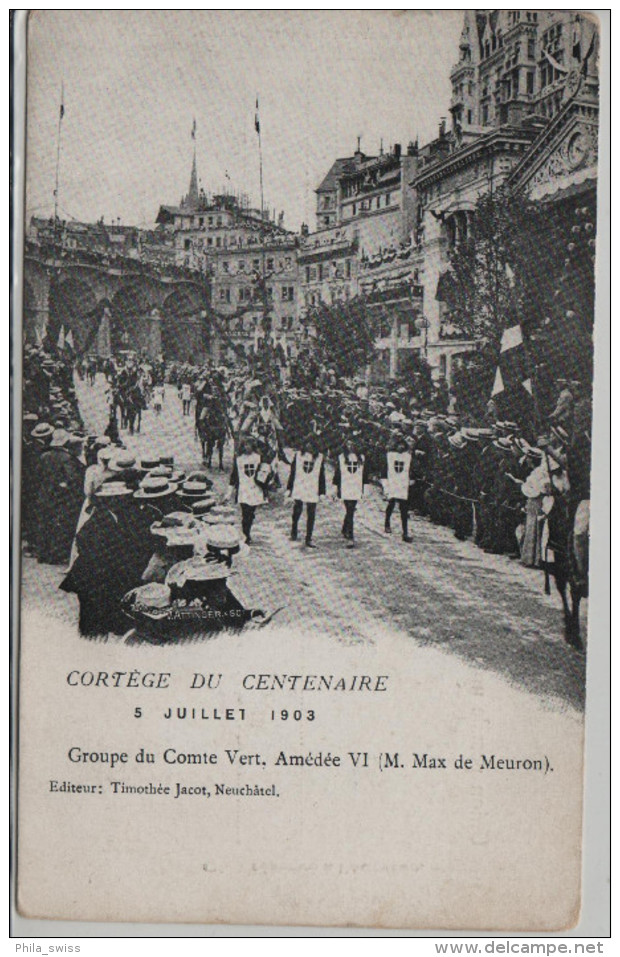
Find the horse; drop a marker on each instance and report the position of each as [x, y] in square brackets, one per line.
[212, 430]
[568, 530]
[132, 406]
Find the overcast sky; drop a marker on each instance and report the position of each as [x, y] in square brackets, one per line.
[134, 81]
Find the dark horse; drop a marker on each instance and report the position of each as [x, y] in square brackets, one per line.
[568, 540]
[212, 429]
[132, 404]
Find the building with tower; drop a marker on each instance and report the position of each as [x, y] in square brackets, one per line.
[249, 260]
[524, 112]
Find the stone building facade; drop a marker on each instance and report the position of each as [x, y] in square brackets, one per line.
[250, 263]
[365, 214]
[524, 112]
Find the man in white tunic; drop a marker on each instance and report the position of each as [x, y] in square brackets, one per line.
[306, 484]
[350, 477]
[397, 476]
[248, 470]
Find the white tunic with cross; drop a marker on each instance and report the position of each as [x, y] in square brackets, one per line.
[351, 477]
[307, 472]
[249, 492]
[398, 465]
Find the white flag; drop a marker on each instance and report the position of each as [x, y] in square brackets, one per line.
[511, 338]
[498, 385]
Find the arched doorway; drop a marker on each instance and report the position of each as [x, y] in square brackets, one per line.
[72, 306]
[185, 329]
[131, 308]
[33, 321]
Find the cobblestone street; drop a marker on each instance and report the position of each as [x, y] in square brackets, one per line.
[487, 610]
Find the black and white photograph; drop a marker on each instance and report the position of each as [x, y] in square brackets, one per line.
[307, 358]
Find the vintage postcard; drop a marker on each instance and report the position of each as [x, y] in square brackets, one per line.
[306, 352]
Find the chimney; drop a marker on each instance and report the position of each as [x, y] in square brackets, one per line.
[358, 152]
[397, 150]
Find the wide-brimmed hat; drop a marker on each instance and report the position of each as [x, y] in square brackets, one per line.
[196, 569]
[192, 489]
[210, 519]
[199, 477]
[99, 441]
[504, 444]
[221, 536]
[457, 440]
[116, 489]
[173, 522]
[167, 471]
[152, 595]
[180, 537]
[122, 462]
[203, 505]
[42, 431]
[147, 464]
[507, 426]
[167, 460]
[153, 486]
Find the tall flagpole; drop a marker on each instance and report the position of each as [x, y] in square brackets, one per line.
[61, 114]
[262, 217]
[260, 159]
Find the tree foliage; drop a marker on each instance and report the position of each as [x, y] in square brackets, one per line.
[527, 263]
[501, 274]
[414, 372]
[345, 333]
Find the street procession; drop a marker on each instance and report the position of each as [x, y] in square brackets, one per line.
[227, 423]
[127, 525]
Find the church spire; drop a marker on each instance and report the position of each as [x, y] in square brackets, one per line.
[192, 196]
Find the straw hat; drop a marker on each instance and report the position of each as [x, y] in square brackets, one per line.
[121, 462]
[196, 570]
[116, 489]
[155, 487]
[503, 444]
[167, 471]
[192, 489]
[42, 431]
[199, 477]
[203, 506]
[221, 536]
[173, 523]
[147, 464]
[152, 595]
